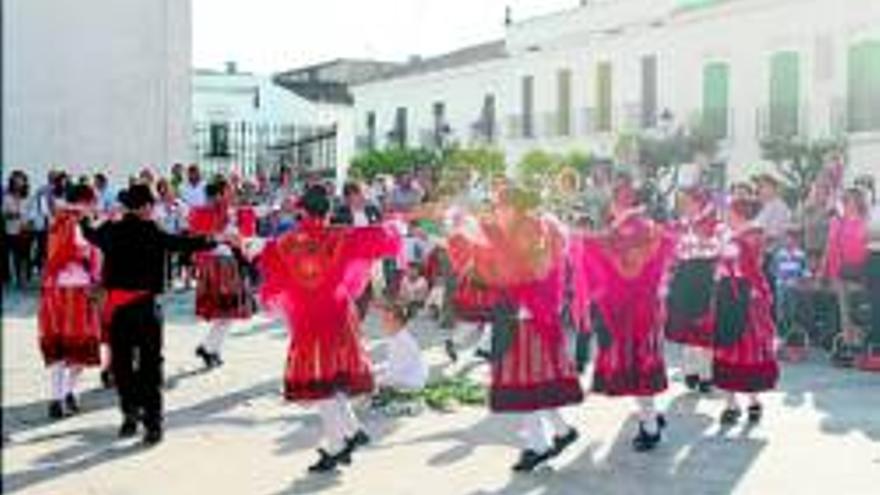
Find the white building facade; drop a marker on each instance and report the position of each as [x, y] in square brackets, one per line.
[579, 79]
[95, 85]
[244, 121]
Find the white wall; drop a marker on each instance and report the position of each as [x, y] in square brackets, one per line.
[744, 33]
[461, 90]
[96, 84]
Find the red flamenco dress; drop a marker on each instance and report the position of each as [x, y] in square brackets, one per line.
[744, 359]
[69, 317]
[223, 290]
[690, 304]
[522, 265]
[313, 277]
[624, 270]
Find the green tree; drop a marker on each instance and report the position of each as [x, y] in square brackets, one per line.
[538, 168]
[485, 162]
[799, 162]
[392, 161]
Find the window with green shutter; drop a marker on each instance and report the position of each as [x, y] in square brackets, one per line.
[784, 111]
[603, 97]
[864, 87]
[716, 97]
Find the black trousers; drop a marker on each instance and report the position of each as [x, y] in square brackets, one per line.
[136, 344]
[873, 337]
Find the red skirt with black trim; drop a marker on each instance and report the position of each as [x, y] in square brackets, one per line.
[533, 374]
[630, 362]
[223, 291]
[750, 364]
[327, 358]
[69, 321]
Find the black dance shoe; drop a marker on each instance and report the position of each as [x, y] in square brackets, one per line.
[72, 404]
[326, 463]
[216, 360]
[56, 410]
[358, 440]
[692, 381]
[644, 441]
[529, 460]
[449, 346]
[205, 356]
[731, 416]
[705, 387]
[562, 442]
[756, 411]
[106, 379]
[129, 428]
[153, 436]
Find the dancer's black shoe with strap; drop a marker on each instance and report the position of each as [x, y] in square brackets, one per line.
[562, 442]
[529, 460]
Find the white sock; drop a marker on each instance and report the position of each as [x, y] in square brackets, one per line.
[216, 335]
[56, 380]
[332, 425]
[534, 433]
[350, 424]
[557, 424]
[731, 401]
[648, 413]
[753, 400]
[485, 342]
[73, 373]
[105, 356]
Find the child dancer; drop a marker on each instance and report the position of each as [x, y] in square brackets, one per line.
[745, 358]
[223, 289]
[69, 317]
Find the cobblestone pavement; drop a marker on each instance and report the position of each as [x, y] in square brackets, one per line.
[229, 432]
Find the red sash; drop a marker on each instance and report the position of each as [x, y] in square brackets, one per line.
[117, 298]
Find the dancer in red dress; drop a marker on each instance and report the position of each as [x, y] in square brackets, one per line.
[223, 292]
[690, 301]
[745, 361]
[69, 316]
[624, 269]
[313, 277]
[520, 258]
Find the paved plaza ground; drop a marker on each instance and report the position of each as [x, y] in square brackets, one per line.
[229, 432]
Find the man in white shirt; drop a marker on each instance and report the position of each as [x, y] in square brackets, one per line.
[193, 190]
[775, 214]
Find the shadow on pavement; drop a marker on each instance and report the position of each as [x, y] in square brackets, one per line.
[688, 461]
[848, 398]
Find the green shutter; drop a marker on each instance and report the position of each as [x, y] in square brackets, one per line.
[784, 94]
[716, 96]
[603, 96]
[864, 86]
